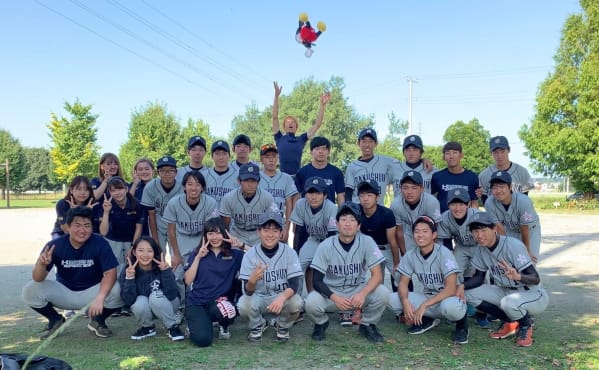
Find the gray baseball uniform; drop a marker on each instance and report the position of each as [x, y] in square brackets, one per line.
[465, 245]
[399, 168]
[281, 267]
[378, 169]
[181, 171]
[513, 297]
[405, 215]
[318, 225]
[155, 197]
[431, 272]
[521, 181]
[345, 274]
[245, 215]
[281, 186]
[520, 212]
[220, 184]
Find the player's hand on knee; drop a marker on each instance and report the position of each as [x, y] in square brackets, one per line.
[419, 314]
[276, 305]
[357, 300]
[342, 303]
[460, 293]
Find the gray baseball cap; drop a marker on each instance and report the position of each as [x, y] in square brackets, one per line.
[350, 208]
[480, 219]
[498, 142]
[458, 195]
[271, 216]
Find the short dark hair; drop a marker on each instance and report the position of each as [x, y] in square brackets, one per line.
[79, 211]
[196, 175]
[425, 220]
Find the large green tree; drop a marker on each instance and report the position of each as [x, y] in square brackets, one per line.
[153, 133]
[474, 139]
[197, 128]
[563, 136]
[341, 122]
[391, 144]
[11, 150]
[38, 173]
[74, 150]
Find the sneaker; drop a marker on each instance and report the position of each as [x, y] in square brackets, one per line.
[116, 314]
[483, 322]
[319, 331]
[282, 333]
[68, 314]
[175, 333]
[524, 337]
[179, 317]
[505, 330]
[144, 332]
[224, 332]
[51, 328]
[255, 334]
[460, 335]
[126, 311]
[427, 324]
[371, 333]
[101, 330]
[345, 319]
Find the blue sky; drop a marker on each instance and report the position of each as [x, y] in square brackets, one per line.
[209, 60]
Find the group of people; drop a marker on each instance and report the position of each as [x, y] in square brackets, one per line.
[226, 228]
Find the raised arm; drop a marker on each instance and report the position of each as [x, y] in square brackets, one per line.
[324, 100]
[275, 108]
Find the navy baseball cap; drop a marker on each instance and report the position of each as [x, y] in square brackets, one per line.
[369, 186]
[501, 176]
[249, 171]
[242, 139]
[413, 140]
[499, 142]
[271, 216]
[480, 220]
[316, 183]
[413, 176]
[350, 208]
[367, 132]
[166, 161]
[458, 195]
[268, 148]
[319, 141]
[196, 140]
[220, 144]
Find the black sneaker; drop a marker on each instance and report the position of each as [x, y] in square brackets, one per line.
[319, 331]
[371, 333]
[255, 334]
[460, 335]
[144, 332]
[51, 328]
[427, 324]
[126, 311]
[175, 333]
[282, 333]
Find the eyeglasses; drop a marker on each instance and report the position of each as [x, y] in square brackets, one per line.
[268, 147]
[167, 172]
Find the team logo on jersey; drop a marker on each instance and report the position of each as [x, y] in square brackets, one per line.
[527, 217]
[451, 265]
[522, 259]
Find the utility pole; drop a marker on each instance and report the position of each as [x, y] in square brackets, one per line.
[7, 184]
[410, 125]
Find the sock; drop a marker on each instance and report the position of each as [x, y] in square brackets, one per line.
[525, 321]
[462, 323]
[106, 312]
[493, 310]
[49, 312]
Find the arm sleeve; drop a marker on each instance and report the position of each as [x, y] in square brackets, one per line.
[476, 280]
[348, 193]
[294, 283]
[301, 235]
[319, 285]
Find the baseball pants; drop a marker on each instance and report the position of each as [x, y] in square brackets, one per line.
[451, 308]
[254, 308]
[39, 294]
[516, 303]
[145, 308]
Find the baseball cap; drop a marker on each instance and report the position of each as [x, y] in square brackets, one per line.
[501, 176]
[242, 139]
[498, 142]
[316, 183]
[414, 176]
[271, 216]
[369, 186]
[413, 140]
[166, 161]
[220, 144]
[458, 195]
[452, 145]
[268, 148]
[319, 141]
[425, 219]
[196, 140]
[479, 220]
[249, 171]
[350, 208]
[367, 132]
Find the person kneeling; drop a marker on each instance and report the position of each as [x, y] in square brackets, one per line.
[149, 288]
[271, 275]
[437, 270]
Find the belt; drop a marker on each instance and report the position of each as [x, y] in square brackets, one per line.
[519, 288]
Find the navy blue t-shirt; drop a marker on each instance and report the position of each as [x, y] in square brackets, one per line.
[290, 149]
[444, 181]
[82, 268]
[139, 191]
[122, 221]
[331, 175]
[215, 276]
[376, 225]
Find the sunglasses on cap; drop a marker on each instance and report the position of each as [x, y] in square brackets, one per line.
[266, 147]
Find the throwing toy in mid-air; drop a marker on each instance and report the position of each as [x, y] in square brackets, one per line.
[306, 34]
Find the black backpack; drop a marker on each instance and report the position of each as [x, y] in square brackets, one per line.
[15, 361]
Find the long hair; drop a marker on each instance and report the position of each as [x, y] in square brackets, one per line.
[74, 183]
[153, 244]
[105, 157]
[216, 224]
[117, 182]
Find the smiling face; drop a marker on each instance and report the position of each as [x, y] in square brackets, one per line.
[270, 233]
[453, 158]
[367, 145]
[193, 190]
[424, 236]
[412, 154]
[221, 159]
[502, 192]
[458, 209]
[348, 226]
[145, 254]
[118, 193]
[215, 238]
[81, 193]
[167, 175]
[144, 171]
[485, 236]
[80, 230]
[315, 198]
[110, 166]
[196, 156]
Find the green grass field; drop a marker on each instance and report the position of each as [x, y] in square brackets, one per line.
[32, 200]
